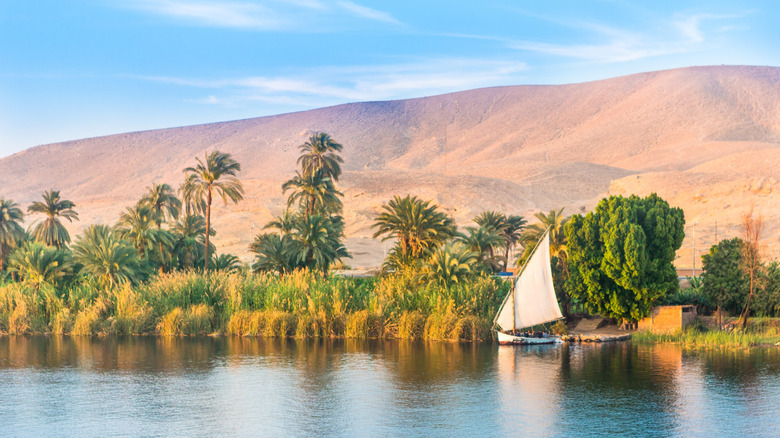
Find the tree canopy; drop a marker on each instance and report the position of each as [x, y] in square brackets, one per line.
[724, 281]
[620, 255]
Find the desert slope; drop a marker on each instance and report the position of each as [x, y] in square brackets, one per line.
[704, 138]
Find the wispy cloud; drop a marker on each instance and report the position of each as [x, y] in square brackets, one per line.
[366, 12]
[268, 15]
[331, 85]
[690, 26]
[676, 35]
[213, 13]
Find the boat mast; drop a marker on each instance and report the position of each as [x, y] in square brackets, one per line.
[514, 314]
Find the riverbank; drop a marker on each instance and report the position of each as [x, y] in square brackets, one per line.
[299, 305]
[761, 332]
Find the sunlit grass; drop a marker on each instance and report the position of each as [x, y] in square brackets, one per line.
[701, 338]
[300, 305]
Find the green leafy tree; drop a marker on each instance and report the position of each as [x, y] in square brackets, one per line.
[11, 231]
[724, 282]
[50, 230]
[620, 255]
[106, 257]
[215, 175]
[417, 226]
[321, 154]
[767, 303]
[38, 264]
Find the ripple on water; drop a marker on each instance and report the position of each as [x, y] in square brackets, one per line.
[236, 386]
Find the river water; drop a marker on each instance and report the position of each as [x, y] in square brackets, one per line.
[230, 386]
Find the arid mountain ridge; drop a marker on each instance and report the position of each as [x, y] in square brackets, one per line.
[707, 139]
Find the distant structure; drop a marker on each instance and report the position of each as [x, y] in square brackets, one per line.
[668, 318]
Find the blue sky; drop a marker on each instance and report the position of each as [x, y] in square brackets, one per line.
[76, 69]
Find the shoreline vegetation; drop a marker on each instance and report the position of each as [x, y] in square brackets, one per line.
[156, 270]
[760, 332]
[301, 304]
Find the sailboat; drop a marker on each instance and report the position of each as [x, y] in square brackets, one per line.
[531, 302]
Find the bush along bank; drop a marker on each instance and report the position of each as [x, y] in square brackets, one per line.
[301, 304]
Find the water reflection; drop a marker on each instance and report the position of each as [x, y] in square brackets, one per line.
[247, 386]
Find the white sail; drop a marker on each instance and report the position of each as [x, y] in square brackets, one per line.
[533, 301]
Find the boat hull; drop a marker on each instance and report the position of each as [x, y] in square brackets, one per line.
[507, 339]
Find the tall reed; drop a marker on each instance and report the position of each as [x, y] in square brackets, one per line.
[300, 304]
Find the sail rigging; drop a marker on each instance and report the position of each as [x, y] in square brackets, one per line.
[532, 301]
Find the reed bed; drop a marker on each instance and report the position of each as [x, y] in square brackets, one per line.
[300, 305]
[698, 337]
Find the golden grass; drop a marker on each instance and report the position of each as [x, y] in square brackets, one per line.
[299, 305]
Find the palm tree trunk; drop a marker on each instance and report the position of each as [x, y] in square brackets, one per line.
[208, 231]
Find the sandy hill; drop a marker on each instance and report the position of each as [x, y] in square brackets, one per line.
[707, 139]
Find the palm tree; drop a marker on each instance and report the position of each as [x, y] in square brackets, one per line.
[555, 221]
[512, 234]
[417, 225]
[106, 257]
[50, 231]
[284, 223]
[137, 225]
[227, 263]
[188, 190]
[491, 221]
[314, 192]
[317, 243]
[165, 205]
[483, 241]
[273, 253]
[38, 264]
[320, 153]
[508, 227]
[189, 235]
[10, 230]
[449, 264]
[216, 174]
[398, 260]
